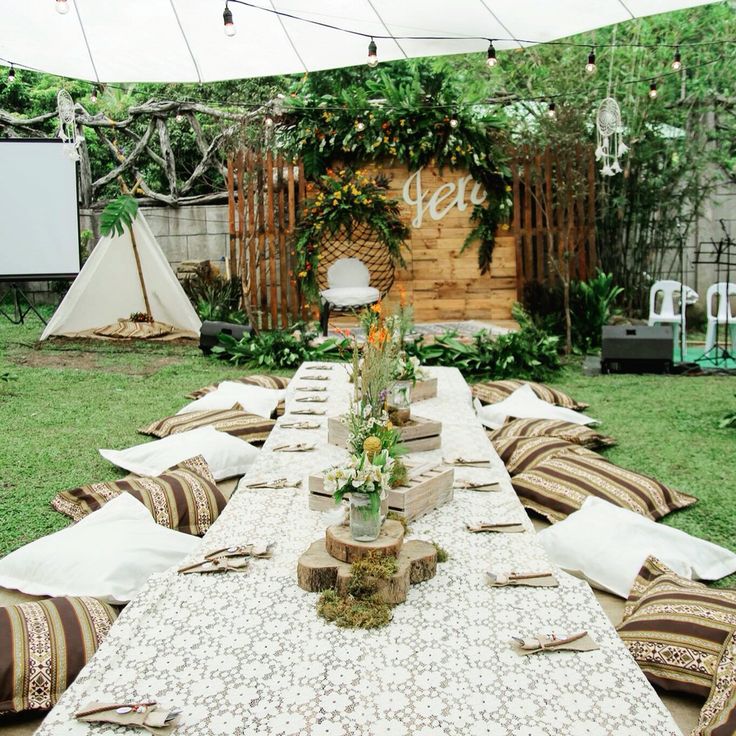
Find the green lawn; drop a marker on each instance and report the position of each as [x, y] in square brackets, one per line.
[68, 399]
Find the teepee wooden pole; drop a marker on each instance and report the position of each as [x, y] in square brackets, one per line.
[136, 254]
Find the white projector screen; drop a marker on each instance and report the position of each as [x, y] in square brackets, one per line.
[39, 216]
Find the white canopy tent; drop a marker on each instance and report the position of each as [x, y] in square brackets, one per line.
[108, 288]
[184, 40]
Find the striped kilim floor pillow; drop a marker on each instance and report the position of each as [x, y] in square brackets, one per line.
[265, 381]
[718, 716]
[678, 630]
[577, 433]
[43, 647]
[184, 497]
[559, 485]
[520, 454]
[249, 427]
[128, 329]
[491, 392]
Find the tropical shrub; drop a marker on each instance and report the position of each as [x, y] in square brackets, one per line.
[216, 298]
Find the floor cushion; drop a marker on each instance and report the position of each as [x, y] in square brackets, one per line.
[519, 454]
[253, 399]
[607, 545]
[265, 381]
[676, 629]
[225, 455]
[560, 485]
[108, 555]
[490, 392]
[576, 433]
[236, 422]
[184, 497]
[525, 405]
[718, 716]
[43, 647]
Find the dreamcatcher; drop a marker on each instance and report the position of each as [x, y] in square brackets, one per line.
[67, 124]
[610, 142]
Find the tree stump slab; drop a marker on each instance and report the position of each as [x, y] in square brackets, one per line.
[422, 557]
[343, 547]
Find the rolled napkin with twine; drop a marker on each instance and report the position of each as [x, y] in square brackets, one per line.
[300, 425]
[535, 579]
[276, 483]
[311, 388]
[312, 399]
[309, 412]
[299, 447]
[467, 462]
[469, 485]
[315, 377]
[228, 559]
[580, 642]
[147, 715]
[504, 527]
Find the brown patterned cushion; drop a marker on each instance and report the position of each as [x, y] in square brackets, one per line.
[491, 392]
[125, 329]
[235, 421]
[184, 497]
[520, 454]
[43, 647]
[718, 715]
[577, 433]
[559, 485]
[264, 381]
[676, 629]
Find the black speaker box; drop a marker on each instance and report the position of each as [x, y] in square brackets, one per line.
[637, 349]
[209, 332]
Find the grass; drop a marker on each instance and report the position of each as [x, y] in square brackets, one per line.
[68, 399]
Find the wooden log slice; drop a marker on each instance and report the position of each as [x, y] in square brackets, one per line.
[391, 590]
[422, 558]
[343, 547]
[317, 570]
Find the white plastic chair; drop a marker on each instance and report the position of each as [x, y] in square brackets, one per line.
[348, 282]
[722, 314]
[667, 314]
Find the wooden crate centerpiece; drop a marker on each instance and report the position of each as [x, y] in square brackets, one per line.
[428, 487]
[418, 434]
[426, 389]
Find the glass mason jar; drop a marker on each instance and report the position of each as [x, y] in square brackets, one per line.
[365, 522]
[400, 401]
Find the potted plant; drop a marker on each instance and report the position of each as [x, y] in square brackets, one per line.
[364, 480]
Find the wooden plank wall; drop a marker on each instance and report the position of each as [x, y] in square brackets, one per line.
[442, 283]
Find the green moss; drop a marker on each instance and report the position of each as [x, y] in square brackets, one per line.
[351, 612]
[399, 474]
[393, 516]
[365, 573]
[442, 554]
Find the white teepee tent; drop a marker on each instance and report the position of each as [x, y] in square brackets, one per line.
[108, 288]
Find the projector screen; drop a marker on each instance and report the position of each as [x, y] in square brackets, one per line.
[39, 216]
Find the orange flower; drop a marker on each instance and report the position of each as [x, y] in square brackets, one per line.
[377, 336]
[344, 331]
[376, 308]
[402, 296]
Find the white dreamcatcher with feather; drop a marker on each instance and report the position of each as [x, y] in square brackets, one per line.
[610, 129]
[67, 124]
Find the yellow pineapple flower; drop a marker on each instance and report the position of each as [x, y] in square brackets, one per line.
[372, 446]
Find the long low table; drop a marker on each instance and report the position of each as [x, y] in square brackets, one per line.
[247, 653]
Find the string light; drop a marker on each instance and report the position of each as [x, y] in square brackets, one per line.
[677, 60]
[268, 121]
[179, 118]
[93, 96]
[653, 91]
[454, 122]
[491, 60]
[62, 7]
[372, 54]
[11, 75]
[590, 67]
[359, 125]
[227, 17]
[552, 110]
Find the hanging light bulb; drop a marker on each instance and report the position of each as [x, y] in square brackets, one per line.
[93, 96]
[359, 125]
[454, 122]
[372, 54]
[653, 91]
[11, 75]
[552, 110]
[590, 67]
[179, 118]
[227, 17]
[491, 60]
[677, 60]
[268, 122]
[62, 7]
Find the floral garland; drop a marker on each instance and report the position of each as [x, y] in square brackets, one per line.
[346, 198]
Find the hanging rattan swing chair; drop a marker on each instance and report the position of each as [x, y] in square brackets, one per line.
[360, 243]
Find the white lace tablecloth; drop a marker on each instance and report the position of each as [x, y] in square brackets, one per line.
[247, 654]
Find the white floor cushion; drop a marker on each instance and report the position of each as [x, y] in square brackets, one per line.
[108, 555]
[353, 296]
[524, 404]
[226, 455]
[253, 399]
[607, 545]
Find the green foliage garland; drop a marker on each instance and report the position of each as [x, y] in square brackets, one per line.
[345, 199]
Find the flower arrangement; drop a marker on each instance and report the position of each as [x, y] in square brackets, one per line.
[345, 198]
[366, 473]
[409, 368]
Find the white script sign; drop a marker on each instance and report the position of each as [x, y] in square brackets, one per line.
[443, 199]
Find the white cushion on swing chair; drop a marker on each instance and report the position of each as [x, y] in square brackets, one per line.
[350, 296]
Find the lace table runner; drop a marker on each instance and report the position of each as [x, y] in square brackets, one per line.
[247, 653]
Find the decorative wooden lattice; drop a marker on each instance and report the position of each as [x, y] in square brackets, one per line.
[360, 243]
